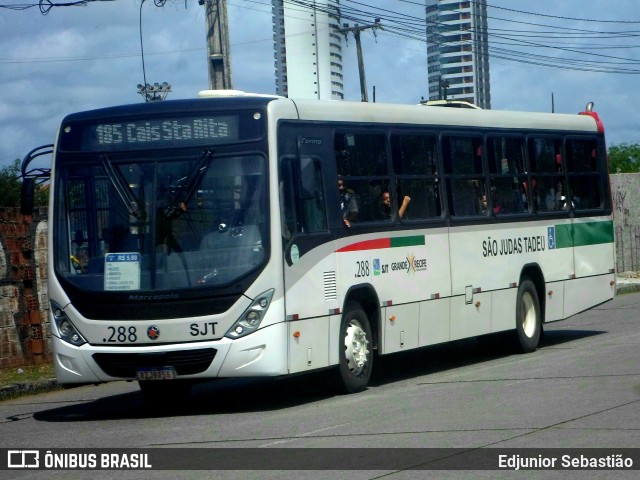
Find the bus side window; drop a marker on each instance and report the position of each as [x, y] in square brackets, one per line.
[507, 175]
[287, 202]
[302, 196]
[361, 163]
[415, 169]
[313, 216]
[545, 159]
[465, 182]
[584, 181]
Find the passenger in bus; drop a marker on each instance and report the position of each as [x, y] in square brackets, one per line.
[484, 203]
[386, 205]
[550, 200]
[348, 203]
[535, 194]
[560, 202]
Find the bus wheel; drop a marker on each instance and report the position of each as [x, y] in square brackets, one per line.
[161, 391]
[528, 317]
[356, 357]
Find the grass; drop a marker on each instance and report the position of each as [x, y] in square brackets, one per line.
[25, 373]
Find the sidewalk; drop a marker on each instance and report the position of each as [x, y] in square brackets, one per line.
[626, 282]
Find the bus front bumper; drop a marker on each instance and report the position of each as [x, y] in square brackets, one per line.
[262, 353]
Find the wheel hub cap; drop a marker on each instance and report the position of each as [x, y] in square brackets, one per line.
[528, 315]
[356, 344]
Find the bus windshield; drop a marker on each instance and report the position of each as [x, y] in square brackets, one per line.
[143, 223]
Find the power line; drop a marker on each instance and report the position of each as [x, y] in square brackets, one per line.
[523, 41]
[574, 19]
[45, 6]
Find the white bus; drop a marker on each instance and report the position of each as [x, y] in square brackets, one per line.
[207, 238]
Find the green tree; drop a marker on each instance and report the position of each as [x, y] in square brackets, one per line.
[11, 187]
[624, 158]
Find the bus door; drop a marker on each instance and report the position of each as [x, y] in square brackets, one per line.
[309, 259]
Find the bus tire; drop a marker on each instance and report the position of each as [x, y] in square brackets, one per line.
[528, 317]
[162, 391]
[356, 349]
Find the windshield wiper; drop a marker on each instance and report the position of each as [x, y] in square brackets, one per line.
[187, 186]
[121, 187]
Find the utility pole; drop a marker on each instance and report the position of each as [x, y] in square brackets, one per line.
[218, 49]
[356, 29]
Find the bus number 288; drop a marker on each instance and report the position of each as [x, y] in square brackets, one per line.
[362, 269]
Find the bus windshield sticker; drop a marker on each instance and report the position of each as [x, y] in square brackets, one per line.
[122, 271]
[295, 254]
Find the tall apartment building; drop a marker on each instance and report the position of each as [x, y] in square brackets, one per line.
[458, 51]
[308, 49]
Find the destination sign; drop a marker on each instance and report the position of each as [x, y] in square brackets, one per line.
[161, 133]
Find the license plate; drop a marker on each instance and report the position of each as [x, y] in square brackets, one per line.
[163, 373]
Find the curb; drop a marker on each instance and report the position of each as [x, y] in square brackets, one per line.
[28, 388]
[627, 288]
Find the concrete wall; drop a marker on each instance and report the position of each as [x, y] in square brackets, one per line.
[625, 193]
[24, 305]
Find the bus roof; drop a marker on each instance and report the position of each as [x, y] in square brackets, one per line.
[455, 117]
[359, 112]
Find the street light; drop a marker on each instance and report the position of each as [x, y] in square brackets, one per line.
[155, 92]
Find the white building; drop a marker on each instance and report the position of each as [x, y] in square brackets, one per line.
[458, 51]
[308, 49]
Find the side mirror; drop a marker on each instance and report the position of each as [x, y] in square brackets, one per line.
[27, 197]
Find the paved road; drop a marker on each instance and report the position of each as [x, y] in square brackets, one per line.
[581, 389]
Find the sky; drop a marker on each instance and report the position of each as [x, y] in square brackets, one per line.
[543, 54]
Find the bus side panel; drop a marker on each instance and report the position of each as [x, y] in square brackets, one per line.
[503, 310]
[593, 253]
[584, 293]
[401, 327]
[554, 301]
[307, 350]
[434, 321]
[594, 247]
[470, 315]
[311, 296]
[310, 284]
[594, 260]
[470, 279]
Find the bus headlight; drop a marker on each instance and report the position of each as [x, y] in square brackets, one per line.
[65, 328]
[250, 320]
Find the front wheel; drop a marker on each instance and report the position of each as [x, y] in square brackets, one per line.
[528, 317]
[356, 349]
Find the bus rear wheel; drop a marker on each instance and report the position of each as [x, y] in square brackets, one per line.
[356, 355]
[528, 317]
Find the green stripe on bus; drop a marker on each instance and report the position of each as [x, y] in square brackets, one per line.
[407, 241]
[582, 234]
